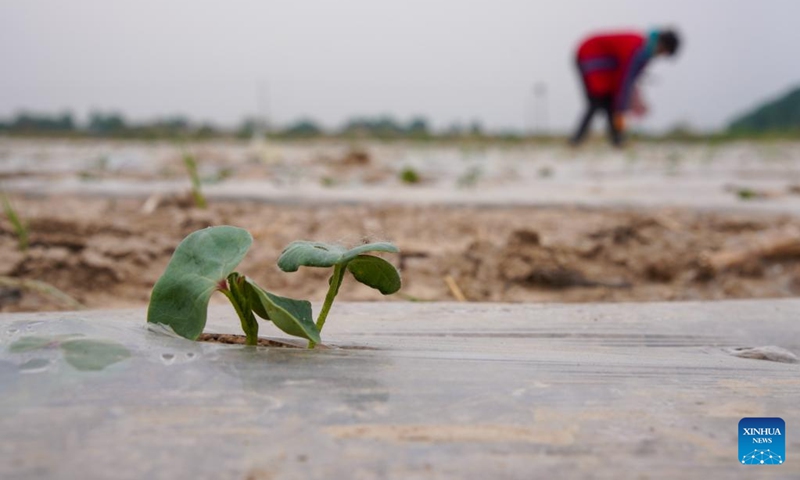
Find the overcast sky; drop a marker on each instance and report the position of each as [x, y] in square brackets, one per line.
[449, 60]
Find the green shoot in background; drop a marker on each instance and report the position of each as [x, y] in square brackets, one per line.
[194, 176]
[20, 228]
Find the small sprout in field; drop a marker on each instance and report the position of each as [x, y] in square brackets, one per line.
[19, 226]
[545, 172]
[370, 270]
[327, 181]
[97, 171]
[87, 176]
[747, 193]
[410, 176]
[191, 169]
[673, 163]
[204, 263]
[470, 178]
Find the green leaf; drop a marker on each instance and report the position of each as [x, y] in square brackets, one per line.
[375, 272]
[309, 254]
[317, 254]
[369, 247]
[255, 303]
[93, 355]
[290, 315]
[201, 261]
[239, 297]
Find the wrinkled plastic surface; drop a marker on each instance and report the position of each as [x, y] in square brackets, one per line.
[404, 391]
[659, 174]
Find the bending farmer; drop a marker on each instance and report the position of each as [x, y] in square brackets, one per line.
[609, 66]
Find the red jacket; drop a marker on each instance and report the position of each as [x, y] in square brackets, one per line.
[610, 64]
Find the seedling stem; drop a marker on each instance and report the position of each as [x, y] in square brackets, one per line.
[194, 176]
[240, 303]
[20, 229]
[333, 290]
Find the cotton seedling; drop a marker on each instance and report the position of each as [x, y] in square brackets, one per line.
[410, 176]
[370, 270]
[204, 263]
[194, 177]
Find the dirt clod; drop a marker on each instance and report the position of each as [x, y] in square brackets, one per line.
[108, 253]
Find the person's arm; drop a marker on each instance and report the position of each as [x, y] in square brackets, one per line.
[632, 69]
[637, 105]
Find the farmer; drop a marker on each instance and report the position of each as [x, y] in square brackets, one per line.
[609, 65]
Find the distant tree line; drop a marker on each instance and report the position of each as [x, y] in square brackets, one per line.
[28, 122]
[779, 118]
[101, 124]
[115, 125]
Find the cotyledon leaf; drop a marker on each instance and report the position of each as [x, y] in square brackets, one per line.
[201, 261]
[375, 272]
[292, 316]
[316, 254]
[369, 247]
[309, 254]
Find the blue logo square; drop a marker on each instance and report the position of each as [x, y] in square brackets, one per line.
[762, 441]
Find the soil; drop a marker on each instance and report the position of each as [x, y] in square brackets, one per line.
[295, 343]
[108, 253]
[229, 339]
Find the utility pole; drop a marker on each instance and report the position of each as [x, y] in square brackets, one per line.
[540, 108]
[527, 116]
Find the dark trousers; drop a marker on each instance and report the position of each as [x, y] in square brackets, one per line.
[595, 103]
[605, 104]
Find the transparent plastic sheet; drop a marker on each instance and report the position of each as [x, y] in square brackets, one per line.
[407, 391]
